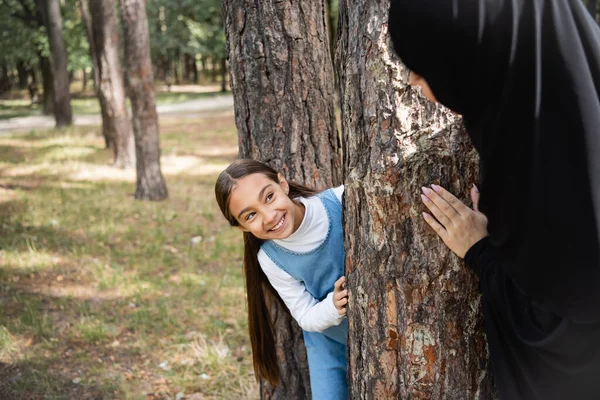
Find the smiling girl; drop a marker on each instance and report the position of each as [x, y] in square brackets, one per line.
[294, 250]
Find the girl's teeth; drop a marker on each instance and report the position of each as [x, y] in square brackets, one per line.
[278, 225]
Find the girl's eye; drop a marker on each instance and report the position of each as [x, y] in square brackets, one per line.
[250, 216]
[269, 197]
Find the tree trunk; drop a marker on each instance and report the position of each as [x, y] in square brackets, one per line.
[204, 69]
[188, 62]
[416, 330]
[22, 72]
[87, 19]
[110, 88]
[48, 86]
[84, 80]
[282, 84]
[58, 62]
[223, 74]
[150, 182]
[4, 80]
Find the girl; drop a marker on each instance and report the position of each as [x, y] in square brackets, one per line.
[293, 248]
[525, 75]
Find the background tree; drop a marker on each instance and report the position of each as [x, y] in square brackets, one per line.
[150, 182]
[50, 11]
[282, 83]
[104, 42]
[414, 310]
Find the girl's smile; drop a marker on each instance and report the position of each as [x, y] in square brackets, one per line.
[263, 208]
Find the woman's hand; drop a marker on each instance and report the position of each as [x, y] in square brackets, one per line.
[457, 225]
[340, 295]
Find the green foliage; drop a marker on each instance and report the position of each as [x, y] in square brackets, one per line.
[21, 37]
[187, 26]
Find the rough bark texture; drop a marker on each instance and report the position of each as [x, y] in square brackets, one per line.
[282, 83]
[58, 62]
[87, 19]
[104, 45]
[416, 330]
[150, 182]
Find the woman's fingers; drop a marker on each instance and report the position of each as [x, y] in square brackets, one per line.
[475, 197]
[456, 205]
[441, 215]
[437, 227]
[338, 284]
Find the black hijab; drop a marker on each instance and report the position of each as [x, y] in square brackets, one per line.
[525, 75]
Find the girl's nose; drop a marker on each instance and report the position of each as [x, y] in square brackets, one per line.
[270, 217]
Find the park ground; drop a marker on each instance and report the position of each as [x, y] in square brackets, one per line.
[106, 297]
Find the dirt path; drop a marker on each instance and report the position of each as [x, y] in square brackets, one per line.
[192, 107]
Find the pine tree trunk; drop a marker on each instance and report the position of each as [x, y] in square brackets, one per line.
[223, 74]
[87, 19]
[416, 329]
[84, 80]
[58, 63]
[282, 84]
[48, 86]
[110, 88]
[150, 182]
[22, 73]
[195, 74]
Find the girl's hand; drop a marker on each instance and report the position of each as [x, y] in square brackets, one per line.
[340, 295]
[457, 225]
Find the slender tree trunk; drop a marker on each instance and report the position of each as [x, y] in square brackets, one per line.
[84, 80]
[58, 62]
[22, 72]
[204, 68]
[4, 79]
[48, 86]
[223, 74]
[150, 182]
[187, 67]
[195, 74]
[111, 89]
[282, 83]
[416, 329]
[85, 14]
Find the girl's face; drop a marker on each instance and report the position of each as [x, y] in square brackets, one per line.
[263, 208]
[418, 80]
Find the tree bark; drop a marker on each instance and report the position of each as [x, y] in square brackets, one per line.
[4, 78]
[150, 181]
[87, 19]
[104, 45]
[195, 76]
[84, 80]
[223, 74]
[282, 84]
[22, 72]
[58, 62]
[416, 329]
[48, 86]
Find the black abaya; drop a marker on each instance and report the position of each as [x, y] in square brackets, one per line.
[525, 75]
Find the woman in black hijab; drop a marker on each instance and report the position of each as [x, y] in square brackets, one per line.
[525, 75]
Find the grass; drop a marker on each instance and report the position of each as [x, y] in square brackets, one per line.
[106, 297]
[18, 103]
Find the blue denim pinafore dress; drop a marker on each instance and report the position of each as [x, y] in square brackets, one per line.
[318, 270]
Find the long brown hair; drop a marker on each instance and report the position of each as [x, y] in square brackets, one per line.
[260, 294]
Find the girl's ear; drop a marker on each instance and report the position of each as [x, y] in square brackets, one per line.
[284, 184]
